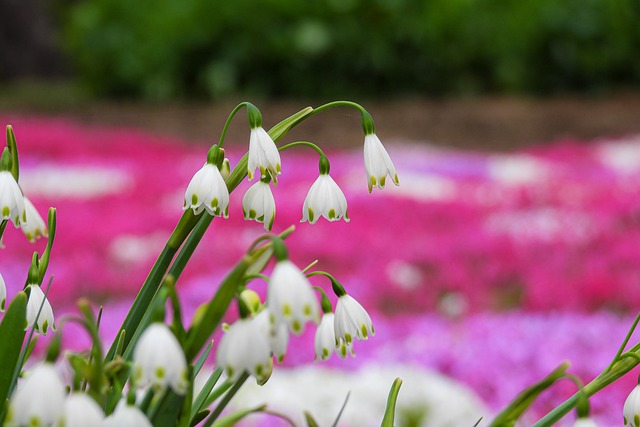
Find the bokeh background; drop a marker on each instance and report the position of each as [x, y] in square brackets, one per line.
[510, 246]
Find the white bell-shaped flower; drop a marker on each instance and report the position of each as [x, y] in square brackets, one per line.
[325, 338]
[352, 320]
[278, 335]
[290, 297]
[159, 359]
[377, 163]
[263, 154]
[44, 320]
[126, 415]
[38, 400]
[80, 411]
[3, 293]
[11, 199]
[325, 199]
[207, 190]
[631, 408]
[34, 226]
[245, 347]
[258, 204]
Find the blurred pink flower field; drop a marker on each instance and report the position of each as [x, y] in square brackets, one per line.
[490, 268]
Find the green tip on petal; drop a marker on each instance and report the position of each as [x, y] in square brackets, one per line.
[364, 332]
[311, 215]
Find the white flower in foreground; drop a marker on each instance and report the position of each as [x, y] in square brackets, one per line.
[263, 154]
[33, 227]
[207, 190]
[277, 335]
[81, 411]
[159, 359]
[11, 199]
[3, 293]
[377, 163]
[258, 204]
[585, 422]
[631, 409]
[290, 297]
[245, 347]
[325, 339]
[39, 399]
[36, 300]
[325, 199]
[351, 320]
[126, 415]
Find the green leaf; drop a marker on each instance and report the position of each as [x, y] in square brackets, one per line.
[12, 331]
[509, 416]
[13, 150]
[390, 411]
[281, 129]
[200, 400]
[167, 411]
[233, 419]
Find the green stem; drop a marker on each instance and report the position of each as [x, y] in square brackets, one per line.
[304, 144]
[228, 122]
[624, 343]
[225, 400]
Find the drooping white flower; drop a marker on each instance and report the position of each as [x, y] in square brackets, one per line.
[325, 338]
[325, 199]
[245, 347]
[377, 163]
[11, 199]
[38, 400]
[159, 359]
[207, 190]
[263, 154]
[258, 204]
[290, 297]
[33, 227]
[277, 334]
[631, 408]
[585, 422]
[36, 300]
[352, 320]
[126, 415]
[3, 293]
[80, 411]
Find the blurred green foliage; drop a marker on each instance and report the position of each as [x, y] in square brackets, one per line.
[160, 49]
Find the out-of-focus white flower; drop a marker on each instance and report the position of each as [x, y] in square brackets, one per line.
[377, 163]
[290, 297]
[258, 204]
[585, 422]
[207, 190]
[631, 408]
[325, 199]
[245, 347]
[11, 199]
[278, 335]
[3, 293]
[38, 400]
[36, 300]
[325, 339]
[159, 359]
[126, 415]
[33, 227]
[263, 154]
[352, 320]
[80, 411]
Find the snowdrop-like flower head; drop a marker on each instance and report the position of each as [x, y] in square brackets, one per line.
[324, 198]
[352, 320]
[631, 408]
[159, 359]
[11, 199]
[277, 335]
[3, 293]
[258, 204]
[325, 338]
[126, 415]
[34, 226]
[290, 297]
[245, 347]
[207, 189]
[39, 399]
[263, 154]
[45, 320]
[81, 411]
[377, 163]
